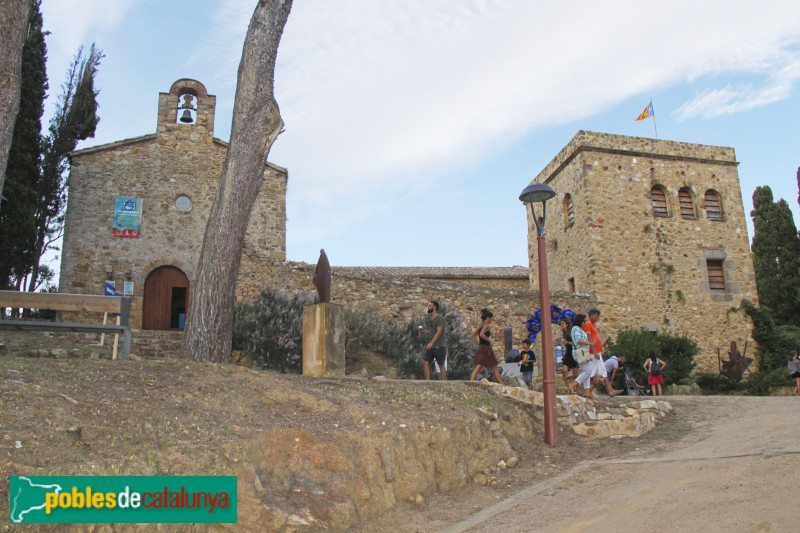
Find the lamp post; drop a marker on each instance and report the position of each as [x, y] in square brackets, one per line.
[539, 192]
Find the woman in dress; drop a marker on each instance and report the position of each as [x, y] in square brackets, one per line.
[580, 352]
[568, 364]
[655, 368]
[485, 357]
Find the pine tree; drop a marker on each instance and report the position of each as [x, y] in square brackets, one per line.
[14, 16]
[256, 124]
[17, 218]
[776, 255]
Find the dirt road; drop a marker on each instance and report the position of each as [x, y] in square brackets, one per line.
[740, 473]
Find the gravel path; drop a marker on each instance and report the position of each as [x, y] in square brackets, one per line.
[741, 473]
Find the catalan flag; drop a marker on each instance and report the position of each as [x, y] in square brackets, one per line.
[648, 112]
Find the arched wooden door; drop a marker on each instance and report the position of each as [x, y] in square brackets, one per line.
[166, 299]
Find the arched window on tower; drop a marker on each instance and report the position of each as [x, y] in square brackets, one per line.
[713, 205]
[569, 211]
[686, 203]
[658, 199]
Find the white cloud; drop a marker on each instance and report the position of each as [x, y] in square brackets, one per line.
[72, 20]
[736, 98]
[377, 96]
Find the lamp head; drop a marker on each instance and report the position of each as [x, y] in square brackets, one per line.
[536, 192]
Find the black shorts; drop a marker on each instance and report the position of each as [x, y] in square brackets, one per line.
[796, 375]
[568, 361]
[437, 352]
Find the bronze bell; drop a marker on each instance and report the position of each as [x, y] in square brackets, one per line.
[186, 118]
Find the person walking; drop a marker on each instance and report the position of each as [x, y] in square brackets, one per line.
[599, 373]
[568, 364]
[485, 356]
[435, 350]
[580, 352]
[655, 368]
[794, 371]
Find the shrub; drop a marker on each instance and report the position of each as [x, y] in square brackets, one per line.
[716, 383]
[634, 344]
[774, 342]
[762, 382]
[270, 329]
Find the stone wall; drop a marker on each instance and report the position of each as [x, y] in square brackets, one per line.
[402, 298]
[646, 270]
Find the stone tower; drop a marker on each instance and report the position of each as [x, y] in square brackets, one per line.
[653, 230]
[167, 182]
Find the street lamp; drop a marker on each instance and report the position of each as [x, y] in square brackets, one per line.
[532, 194]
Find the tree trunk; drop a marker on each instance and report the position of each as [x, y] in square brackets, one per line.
[256, 124]
[14, 24]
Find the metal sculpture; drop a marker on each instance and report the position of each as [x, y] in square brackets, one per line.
[736, 365]
[322, 278]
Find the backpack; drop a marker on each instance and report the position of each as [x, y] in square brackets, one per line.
[655, 368]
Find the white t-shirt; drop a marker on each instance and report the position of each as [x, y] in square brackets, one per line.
[611, 364]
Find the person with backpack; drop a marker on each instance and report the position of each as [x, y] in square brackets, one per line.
[655, 368]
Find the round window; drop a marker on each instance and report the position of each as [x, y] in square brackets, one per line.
[183, 203]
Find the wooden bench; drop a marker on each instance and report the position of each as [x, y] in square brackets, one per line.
[69, 302]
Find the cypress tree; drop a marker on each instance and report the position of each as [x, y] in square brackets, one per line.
[75, 120]
[17, 218]
[776, 255]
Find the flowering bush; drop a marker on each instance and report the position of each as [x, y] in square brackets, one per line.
[270, 329]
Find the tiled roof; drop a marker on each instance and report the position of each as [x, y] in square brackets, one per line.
[514, 272]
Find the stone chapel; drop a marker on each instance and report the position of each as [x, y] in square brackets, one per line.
[137, 211]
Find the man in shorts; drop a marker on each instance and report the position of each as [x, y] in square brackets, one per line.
[435, 349]
[599, 374]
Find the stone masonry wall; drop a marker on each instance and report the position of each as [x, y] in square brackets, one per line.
[644, 270]
[403, 298]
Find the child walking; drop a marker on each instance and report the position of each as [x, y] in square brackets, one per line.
[527, 363]
[654, 367]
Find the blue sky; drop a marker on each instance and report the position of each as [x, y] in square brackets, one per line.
[412, 127]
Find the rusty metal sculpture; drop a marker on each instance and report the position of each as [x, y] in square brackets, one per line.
[737, 364]
[322, 278]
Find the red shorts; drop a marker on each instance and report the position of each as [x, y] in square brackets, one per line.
[655, 380]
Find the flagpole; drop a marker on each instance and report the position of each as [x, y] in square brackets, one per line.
[654, 118]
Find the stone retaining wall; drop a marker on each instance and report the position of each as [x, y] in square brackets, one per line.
[594, 419]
